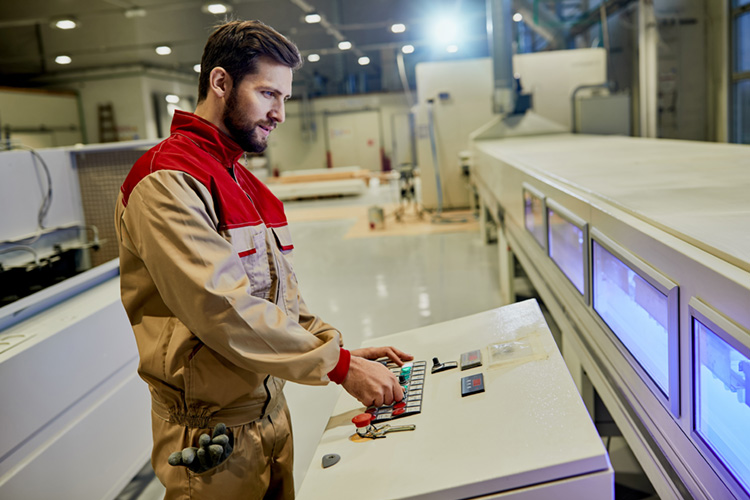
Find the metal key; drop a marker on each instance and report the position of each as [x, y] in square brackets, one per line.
[385, 429]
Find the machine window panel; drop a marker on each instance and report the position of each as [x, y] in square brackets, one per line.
[635, 311]
[533, 216]
[741, 45]
[567, 244]
[722, 399]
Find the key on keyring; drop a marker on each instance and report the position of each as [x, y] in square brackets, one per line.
[385, 429]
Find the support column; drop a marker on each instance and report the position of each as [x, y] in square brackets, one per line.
[507, 268]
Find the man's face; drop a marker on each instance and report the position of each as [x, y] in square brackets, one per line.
[255, 105]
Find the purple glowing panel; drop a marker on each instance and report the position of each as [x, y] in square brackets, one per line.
[635, 311]
[533, 217]
[722, 401]
[566, 247]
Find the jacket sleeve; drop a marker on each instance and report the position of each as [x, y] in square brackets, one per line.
[171, 225]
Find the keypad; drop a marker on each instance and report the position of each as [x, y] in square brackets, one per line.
[413, 375]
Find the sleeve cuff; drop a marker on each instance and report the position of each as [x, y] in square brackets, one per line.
[338, 374]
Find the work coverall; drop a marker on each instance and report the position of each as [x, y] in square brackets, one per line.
[208, 285]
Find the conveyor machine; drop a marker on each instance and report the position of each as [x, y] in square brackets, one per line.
[640, 249]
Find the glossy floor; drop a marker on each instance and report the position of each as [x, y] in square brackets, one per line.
[370, 287]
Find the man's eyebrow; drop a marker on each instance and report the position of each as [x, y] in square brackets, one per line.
[274, 90]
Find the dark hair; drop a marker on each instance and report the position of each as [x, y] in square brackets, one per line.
[236, 47]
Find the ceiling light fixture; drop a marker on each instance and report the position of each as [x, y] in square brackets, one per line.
[197, 68]
[518, 17]
[65, 23]
[407, 49]
[135, 12]
[216, 8]
[172, 99]
[312, 18]
[63, 60]
[452, 48]
[363, 61]
[398, 28]
[313, 57]
[345, 45]
[163, 50]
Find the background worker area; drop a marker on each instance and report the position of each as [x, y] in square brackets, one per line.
[208, 284]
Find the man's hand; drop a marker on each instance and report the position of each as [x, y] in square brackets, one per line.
[372, 383]
[210, 452]
[392, 353]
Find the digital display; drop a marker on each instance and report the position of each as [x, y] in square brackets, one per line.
[635, 311]
[566, 248]
[533, 217]
[722, 400]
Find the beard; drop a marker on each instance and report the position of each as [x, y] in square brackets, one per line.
[243, 132]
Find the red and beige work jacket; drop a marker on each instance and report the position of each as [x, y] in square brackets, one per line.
[208, 284]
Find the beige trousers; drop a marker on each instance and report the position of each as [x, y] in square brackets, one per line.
[259, 468]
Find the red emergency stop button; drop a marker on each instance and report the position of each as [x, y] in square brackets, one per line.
[362, 420]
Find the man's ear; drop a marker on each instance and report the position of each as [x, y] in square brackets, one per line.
[219, 82]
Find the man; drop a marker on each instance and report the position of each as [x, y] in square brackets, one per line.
[208, 284]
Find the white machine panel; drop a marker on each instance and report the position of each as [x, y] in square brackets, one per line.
[529, 426]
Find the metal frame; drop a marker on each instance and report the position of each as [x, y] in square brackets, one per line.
[527, 188]
[581, 224]
[670, 289]
[731, 334]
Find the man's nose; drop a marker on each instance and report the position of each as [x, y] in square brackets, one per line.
[277, 113]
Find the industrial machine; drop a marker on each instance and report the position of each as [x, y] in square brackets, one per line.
[68, 358]
[635, 247]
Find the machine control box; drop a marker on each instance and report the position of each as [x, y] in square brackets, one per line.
[471, 359]
[472, 384]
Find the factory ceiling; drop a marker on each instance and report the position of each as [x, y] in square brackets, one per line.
[114, 34]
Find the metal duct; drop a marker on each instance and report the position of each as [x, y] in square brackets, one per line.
[499, 35]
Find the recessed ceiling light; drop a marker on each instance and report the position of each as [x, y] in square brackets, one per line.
[135, 12]
[63, 60]
[312, 18]
[313, 57]
[163, 50]
[345, 45]
[65, 23]
[363, 61]
[398, 28]
[452, 48]
[216, 8]
[197, 68]
[518, 17]
[172, 99]
[407, 49]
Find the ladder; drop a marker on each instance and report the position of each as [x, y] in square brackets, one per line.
[107, 124]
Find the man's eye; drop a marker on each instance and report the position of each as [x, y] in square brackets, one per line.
[268, 93]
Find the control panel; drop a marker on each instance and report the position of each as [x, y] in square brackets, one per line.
[411, 377]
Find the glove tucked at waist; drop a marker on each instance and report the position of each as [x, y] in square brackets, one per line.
[210, 452]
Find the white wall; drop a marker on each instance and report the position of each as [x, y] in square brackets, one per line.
[34, 109]
[292, 148]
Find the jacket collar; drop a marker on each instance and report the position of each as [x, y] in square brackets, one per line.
[207, 136]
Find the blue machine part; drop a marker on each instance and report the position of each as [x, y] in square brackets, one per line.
[635, 311]
[722, 408]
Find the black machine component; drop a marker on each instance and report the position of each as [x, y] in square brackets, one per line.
[437, 366]
[20, 281]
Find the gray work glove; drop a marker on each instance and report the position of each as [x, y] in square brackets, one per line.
[210, 452]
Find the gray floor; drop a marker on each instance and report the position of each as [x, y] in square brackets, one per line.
[367, 288]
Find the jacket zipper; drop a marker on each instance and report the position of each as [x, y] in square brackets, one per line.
[268, 396]
[278, 287]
